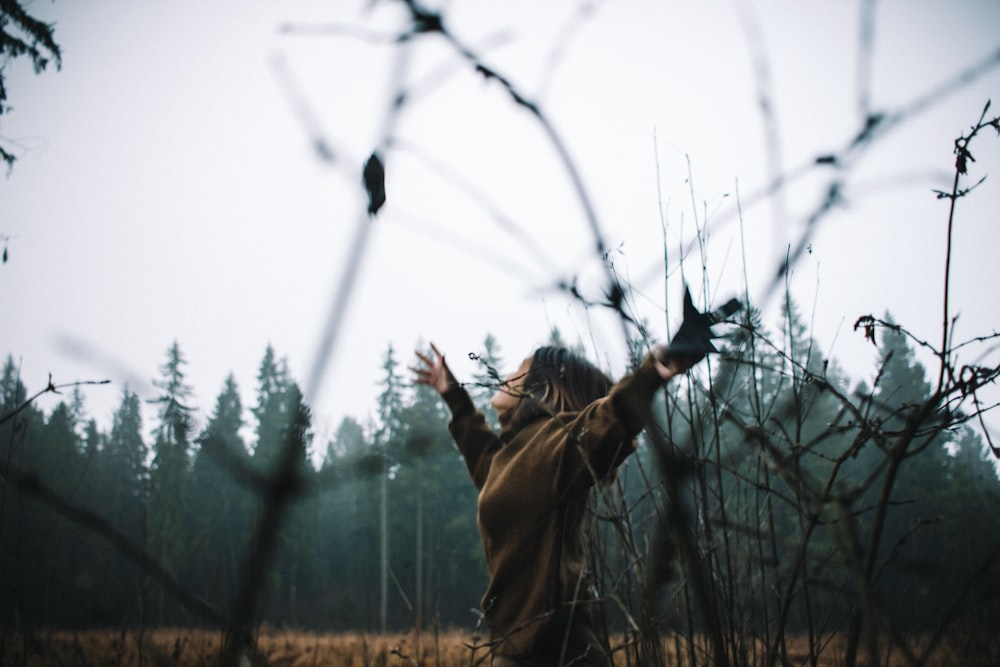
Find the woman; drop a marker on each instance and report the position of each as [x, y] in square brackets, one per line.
[563, 429]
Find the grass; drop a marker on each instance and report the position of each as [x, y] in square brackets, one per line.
[178, 646]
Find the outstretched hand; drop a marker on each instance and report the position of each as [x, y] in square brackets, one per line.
[433, 372]
[694, 338]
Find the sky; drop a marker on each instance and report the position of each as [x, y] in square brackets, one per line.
[169, 188]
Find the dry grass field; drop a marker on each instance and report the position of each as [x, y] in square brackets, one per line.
[175, 647]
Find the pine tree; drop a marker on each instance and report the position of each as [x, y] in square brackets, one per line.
[57, 455]
[93, 440]
[123, 483]
[390, 406]
[345, 530]
[348, 443]
[59, 460]
[271, 410]
[298, 559]
[219, 504]
[968, 538]
[126, 454]
[169, 472]
[906, 498]
[12, 390]
[17, 418]
[279, 412]
[390, 401]
[18, 515]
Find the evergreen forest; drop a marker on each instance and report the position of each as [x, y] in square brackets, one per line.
[782, 481]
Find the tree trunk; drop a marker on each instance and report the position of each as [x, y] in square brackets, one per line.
[384, 549]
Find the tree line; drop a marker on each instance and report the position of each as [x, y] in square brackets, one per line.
[191, 498]
[789, 493]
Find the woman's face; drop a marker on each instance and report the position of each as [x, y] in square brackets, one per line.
[509, 393]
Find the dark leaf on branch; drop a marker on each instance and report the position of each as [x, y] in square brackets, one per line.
[374, 179]
[962, 160]
[867, 322]
[694, 338]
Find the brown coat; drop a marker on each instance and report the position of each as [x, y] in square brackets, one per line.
[532, 502]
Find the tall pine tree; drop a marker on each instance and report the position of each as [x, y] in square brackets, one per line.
[387, 440]
[124, 501]
[279, 413]
[168, 475]
[218, 500]
[271, 411]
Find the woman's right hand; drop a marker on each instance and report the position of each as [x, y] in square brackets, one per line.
[433, 372]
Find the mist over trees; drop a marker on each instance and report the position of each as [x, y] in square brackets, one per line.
[381, 534]
[189, 496]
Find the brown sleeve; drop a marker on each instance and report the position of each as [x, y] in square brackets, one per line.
[632, 397]
[602, 435]
[475, 439]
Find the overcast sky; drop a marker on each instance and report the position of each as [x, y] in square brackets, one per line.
[168, 184]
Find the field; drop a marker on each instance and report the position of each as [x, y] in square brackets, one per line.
[175, 647]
